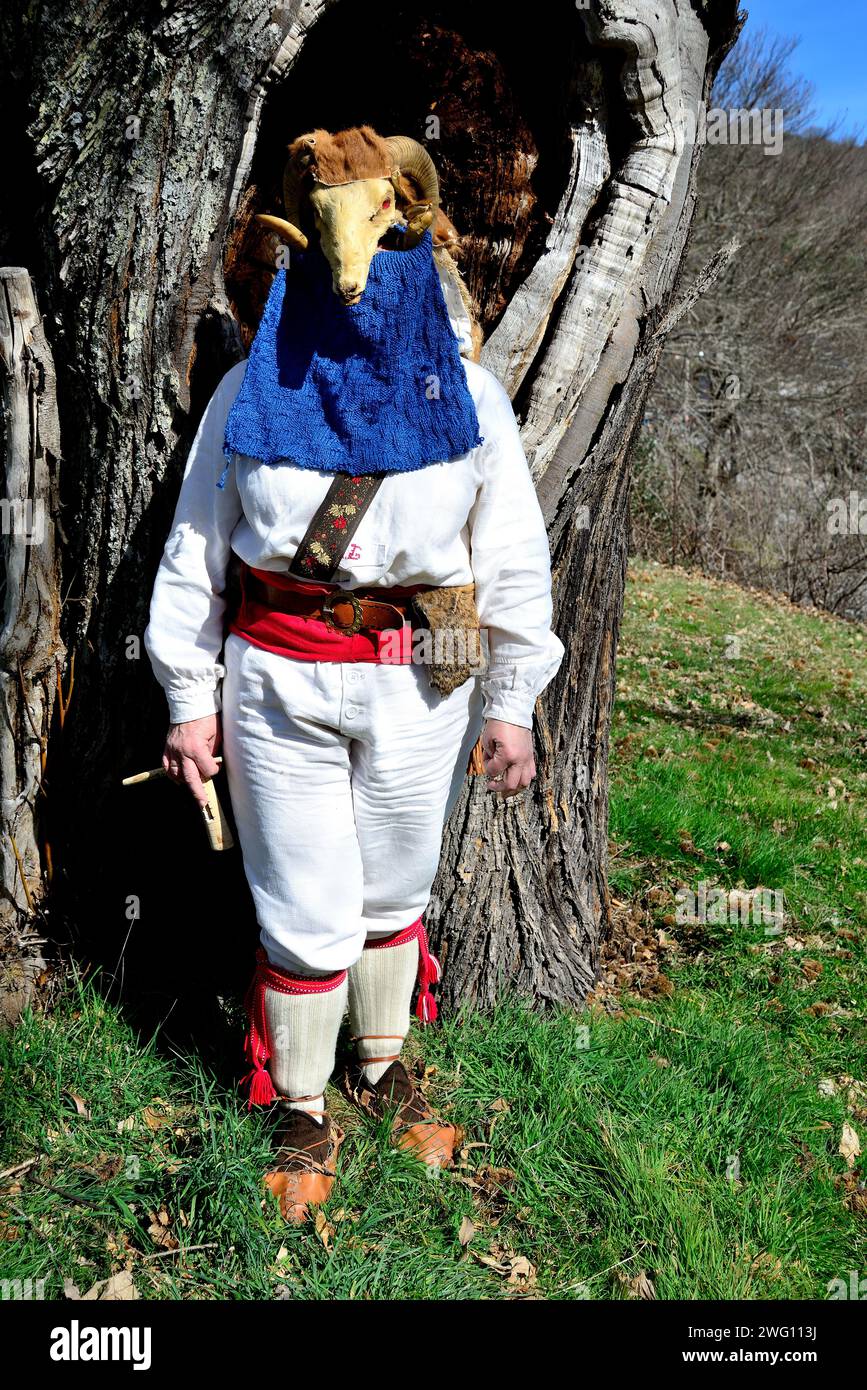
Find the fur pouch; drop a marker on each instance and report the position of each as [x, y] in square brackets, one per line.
[455, 650]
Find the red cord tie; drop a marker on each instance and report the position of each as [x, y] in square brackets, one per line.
[429, 968]
[256, 1049]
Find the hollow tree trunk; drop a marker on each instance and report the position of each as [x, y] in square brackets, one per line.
[152, 136]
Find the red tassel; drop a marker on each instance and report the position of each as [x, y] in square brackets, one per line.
[256, 1049]
[261, 1088]
[426, 1008]
[429, 969]
[429, 973]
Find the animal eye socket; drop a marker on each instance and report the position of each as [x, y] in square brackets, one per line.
[387, 203]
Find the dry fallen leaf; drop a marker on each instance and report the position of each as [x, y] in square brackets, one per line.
[818, 1009]
[850, 1145]
[154, 1119]
[324, 1231]
[515, 1269]
[855, 1192]
[466, 1232]
[159, 1231]
[495, 1178]
[856, 1091]
[522, 1272]
[425, 1075]
[77, 1104]
[764, 1263]
[119, 1287]
[641, 1286]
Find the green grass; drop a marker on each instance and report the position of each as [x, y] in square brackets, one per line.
[676, 1130]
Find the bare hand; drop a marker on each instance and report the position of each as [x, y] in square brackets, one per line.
[188, 756]
[508, 757]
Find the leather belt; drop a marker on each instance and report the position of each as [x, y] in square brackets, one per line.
[344, 610]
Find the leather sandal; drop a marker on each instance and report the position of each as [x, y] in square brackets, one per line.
[416, 1129]
[305, 1154]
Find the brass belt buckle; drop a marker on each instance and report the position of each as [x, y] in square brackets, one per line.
[343, 596]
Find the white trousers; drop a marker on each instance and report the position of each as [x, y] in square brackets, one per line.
[341, 775]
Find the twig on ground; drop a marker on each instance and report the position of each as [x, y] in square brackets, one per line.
[19, 1168]
[181, 1250]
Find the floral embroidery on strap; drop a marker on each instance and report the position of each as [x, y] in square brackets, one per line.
[334, 525]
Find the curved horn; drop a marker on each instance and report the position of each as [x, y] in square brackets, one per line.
[292, 192]
[300, 159]
[413, 159]
[285, 229]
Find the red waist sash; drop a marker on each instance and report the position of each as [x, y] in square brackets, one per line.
[311, 639]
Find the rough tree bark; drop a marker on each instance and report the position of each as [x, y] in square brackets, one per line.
[30, 634]
[150, 135]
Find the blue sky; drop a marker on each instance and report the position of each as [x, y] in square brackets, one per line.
[831, 53]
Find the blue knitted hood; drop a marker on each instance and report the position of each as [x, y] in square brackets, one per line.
[374, 387]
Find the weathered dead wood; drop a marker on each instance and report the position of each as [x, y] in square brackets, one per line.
[31, 652]
[512, 348]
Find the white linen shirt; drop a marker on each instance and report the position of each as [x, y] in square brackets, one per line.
[474, 518]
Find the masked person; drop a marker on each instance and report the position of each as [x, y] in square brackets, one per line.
[367, 479]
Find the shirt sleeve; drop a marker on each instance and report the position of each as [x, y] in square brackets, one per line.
[184, 636]
[511, 564]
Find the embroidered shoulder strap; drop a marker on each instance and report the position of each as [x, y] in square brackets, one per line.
[334, 523]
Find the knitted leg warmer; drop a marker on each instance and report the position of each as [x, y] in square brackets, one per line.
[294, 1022]
[380, 993]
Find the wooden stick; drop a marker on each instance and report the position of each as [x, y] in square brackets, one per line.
[181, 1250]
[19, 1168]
[216, 823]
[150, 775]
[476, 764]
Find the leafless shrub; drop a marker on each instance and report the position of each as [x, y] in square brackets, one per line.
[751, 459]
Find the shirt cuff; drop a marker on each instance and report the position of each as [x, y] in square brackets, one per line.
[196, 702]
[509, 695]
[510, 689]
[517, 712]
